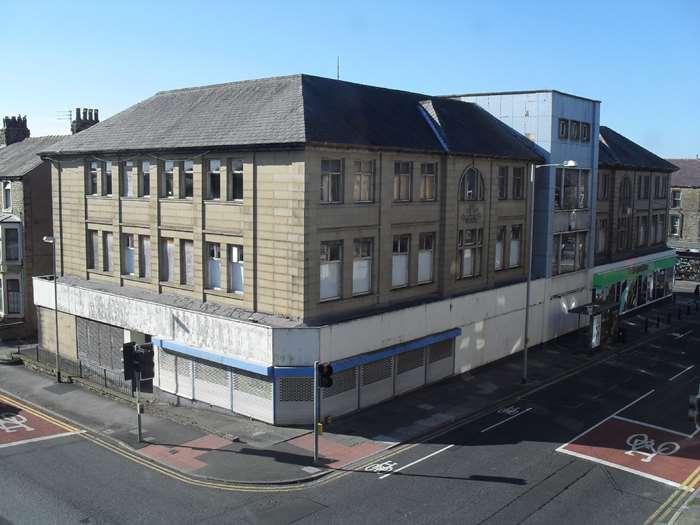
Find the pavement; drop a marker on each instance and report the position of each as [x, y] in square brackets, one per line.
[222, 446]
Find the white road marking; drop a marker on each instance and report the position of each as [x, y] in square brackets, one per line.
[628, 420]
[506, 420]
[43, 438]
[681, 372]
[604, 420]
[622, 467]
[417, 461]
[678, 336]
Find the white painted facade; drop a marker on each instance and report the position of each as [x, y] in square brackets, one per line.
[265, 371]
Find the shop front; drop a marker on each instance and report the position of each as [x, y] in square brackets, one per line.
[634, 285]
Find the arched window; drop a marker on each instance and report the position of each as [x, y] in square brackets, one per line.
[471, 186]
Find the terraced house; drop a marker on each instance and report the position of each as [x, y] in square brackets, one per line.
[248, 229]
[633, 264]
[24, 219]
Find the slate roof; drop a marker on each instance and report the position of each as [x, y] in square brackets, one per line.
[617, 151]
[688, 174]
[21, 157]
[294, 110]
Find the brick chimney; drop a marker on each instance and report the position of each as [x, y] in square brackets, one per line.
[89, 117]
[14, 129]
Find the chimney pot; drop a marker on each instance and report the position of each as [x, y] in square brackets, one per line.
[89, 115]
[84, 113]
[77, 113]
[97, 118]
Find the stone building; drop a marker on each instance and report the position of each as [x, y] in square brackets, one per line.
[684, 221]
[251, 228]
[24, 220]
[633, 264]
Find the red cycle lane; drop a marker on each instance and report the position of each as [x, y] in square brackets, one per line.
[18, 425]
[653, 452]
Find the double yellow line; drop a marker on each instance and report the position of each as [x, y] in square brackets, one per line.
[673, 502]
[164, 470]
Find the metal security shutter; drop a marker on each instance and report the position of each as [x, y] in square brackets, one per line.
[212, 384]
[440, 351]
[99, 343]
[166, 371]
[183, 368]
[253, 384]
[342, 382]
[296, 389]
[410, 360]
[376, 371]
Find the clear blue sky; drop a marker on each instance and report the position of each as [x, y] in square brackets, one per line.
[640, 58]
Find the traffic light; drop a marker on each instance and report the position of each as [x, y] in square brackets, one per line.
[146, 360]
[325, 375]
[693, 409]
[128, 353]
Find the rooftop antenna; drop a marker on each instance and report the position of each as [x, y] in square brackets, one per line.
[337, 68]
[64, 115]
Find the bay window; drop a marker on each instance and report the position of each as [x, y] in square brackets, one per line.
[11, 244]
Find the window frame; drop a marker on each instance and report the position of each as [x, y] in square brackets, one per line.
[169, 179]
[213, 255]
[328, 176]
[7, 196]
[403, 181]
[5, 244]
[585, 132]
[518, 186]
[402, 243]
[475, 244]
[19, 292]
[368, 257]
[423, 179]
[108, 178]
[145, 178]
[211, 175]
[128, 245]
[107, 248]
[563, 129]
[513, 228]
[93, 174]
[363, 178]
[326, 250]
[574, 130]
[674, 199]
[240, 261]
[187, 179]
[423, 243]
[477, 192]
[580, 251]
[562, 197]
[187, 276]
[503, 183]
[234, 179]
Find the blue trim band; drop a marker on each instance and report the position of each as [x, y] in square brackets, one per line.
[226, 361]
[352, 362]
[308, 371]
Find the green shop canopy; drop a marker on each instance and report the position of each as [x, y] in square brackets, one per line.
[601, 280]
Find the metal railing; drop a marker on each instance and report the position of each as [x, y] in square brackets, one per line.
[91, 372]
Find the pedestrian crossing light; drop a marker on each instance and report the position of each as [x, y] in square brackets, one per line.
[693, 410]
[325, 375]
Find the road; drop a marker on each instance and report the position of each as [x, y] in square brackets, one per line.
[609, 445]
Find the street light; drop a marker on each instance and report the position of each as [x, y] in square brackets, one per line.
[50, 240]
[531, 219]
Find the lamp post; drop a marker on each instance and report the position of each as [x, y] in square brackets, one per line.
[50, 240]
[531, 220]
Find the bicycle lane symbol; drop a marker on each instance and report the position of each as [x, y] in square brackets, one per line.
[644, 446]
[10, 422]
[387, 466]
